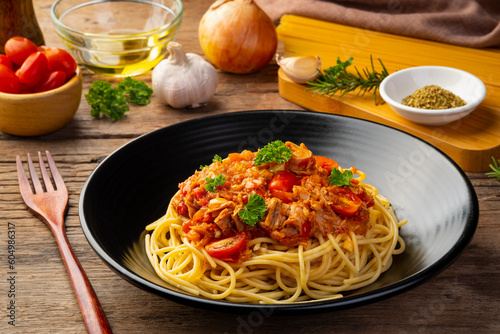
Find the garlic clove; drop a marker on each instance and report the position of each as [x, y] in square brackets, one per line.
[300, 69]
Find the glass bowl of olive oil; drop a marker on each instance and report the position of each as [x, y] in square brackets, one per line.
[117, 38]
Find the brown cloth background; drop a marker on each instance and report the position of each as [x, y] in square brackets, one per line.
[471, 23]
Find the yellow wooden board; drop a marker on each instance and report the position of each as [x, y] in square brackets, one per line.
[471, 141]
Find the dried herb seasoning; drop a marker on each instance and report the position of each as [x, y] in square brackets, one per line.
[433, 97]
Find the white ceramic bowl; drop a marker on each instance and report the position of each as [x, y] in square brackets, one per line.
[400, 84]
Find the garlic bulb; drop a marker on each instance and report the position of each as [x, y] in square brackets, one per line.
[300, 69]
[184, 79]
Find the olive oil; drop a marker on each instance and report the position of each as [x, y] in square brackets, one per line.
[114, 42]
[133, 60]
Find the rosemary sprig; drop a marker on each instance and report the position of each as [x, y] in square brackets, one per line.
[336, 79]
[496, 169]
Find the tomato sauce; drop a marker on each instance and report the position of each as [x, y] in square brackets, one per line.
[301, 203]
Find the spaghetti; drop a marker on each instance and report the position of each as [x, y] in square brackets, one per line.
[313, 241]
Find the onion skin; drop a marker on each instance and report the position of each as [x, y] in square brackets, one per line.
[237, 36]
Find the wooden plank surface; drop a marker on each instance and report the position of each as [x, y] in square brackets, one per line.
[465, 298]
[471, 141]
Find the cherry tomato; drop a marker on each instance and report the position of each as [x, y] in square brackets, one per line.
[18, 49]
[60, 60]
[325, 162]
[281, 185]
[283, 181]
[4, 60]
[33, 70]
[26, 89]
[53, 80]
[9, 82]
[227, 249]
[346, 202]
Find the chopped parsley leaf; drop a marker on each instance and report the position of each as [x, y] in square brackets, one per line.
[254, 210]
[213, 183]
[337, 178]
[217, 158]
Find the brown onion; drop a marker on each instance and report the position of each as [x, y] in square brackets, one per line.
[237, 36]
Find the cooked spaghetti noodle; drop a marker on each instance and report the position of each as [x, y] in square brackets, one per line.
[292, 253]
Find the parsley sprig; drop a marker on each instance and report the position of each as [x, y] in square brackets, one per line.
[216, 158]
[336, 79]
[112, 102]
[106, 100]
[275, 151]
[138, 92]
[213, 183]
[338, 178]
[254, 210]
[496, 169]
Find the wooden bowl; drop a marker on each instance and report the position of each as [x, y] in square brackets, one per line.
[40, 113]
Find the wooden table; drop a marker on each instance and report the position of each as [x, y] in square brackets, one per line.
[464, 298]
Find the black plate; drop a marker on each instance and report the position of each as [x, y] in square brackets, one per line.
[133, 186]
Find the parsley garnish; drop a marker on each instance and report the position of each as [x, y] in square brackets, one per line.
[215, 159]
[113, 101]
[213, 183]
[337, 178]
[274, 151]
[138, 92]
[254, 210]
[106, 100]
[496, 170]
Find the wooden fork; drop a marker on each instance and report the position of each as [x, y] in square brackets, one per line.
[48, 200]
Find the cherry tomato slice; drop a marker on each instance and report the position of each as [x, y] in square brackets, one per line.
[54, 79]
[325, 162]
[346, 203]
[18, 49]
[4, 60]
[33, 70]
[283, 181]
[284, 196]
[9, 82]
[281, 185]
[60, 60]
[227, 248]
